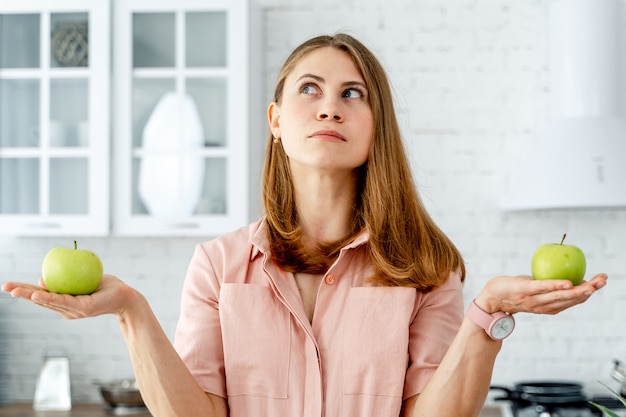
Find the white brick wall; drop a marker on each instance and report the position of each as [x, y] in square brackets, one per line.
[471, 85]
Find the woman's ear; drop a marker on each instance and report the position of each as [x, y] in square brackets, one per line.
[273, 116]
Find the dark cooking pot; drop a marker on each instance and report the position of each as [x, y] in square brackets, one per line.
[543, 392]
[121, 393]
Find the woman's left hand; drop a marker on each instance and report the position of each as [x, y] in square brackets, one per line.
[524, 294]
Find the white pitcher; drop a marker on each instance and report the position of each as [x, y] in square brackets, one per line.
[53, 385]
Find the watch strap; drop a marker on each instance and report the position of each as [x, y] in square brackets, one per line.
[483, 319]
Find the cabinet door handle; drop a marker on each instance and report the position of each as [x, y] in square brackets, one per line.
[46, 225]
[187, 225]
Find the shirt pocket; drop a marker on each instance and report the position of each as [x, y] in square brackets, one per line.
[376, 339]
[256, 337]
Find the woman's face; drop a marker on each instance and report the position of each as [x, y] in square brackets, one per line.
[324, 120]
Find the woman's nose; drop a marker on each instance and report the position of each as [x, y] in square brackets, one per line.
[325, 115]
[330, 111]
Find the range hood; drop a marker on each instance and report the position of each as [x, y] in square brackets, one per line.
[581, 159]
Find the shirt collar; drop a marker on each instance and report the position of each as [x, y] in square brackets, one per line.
[261, 244]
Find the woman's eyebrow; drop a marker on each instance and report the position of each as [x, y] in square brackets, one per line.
[321, 80]
[315, 77]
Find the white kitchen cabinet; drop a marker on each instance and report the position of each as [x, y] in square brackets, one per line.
[188, 135]
[54, 117]
[182, 79]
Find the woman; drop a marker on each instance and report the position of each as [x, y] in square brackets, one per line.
[345, 299]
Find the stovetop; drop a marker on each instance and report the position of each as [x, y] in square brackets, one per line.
[562, 411]
[612, 403]
[552, 399]
[515, 409]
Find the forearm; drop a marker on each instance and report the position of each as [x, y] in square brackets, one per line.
[461, 383]
[166, 385]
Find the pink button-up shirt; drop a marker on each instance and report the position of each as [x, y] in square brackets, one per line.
[244, 334]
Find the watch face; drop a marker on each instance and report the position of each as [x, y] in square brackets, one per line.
[502, 328]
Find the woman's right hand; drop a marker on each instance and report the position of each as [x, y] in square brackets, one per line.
[112, 297]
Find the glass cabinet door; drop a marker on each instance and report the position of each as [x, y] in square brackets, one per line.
[184, 156]
[53, 93]
[19, 114]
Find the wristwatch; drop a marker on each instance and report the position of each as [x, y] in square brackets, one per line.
[498, 325]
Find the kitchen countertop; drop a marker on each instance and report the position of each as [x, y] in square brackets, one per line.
[491, 411]
[100, 410]
[495, 410]
[78, 410]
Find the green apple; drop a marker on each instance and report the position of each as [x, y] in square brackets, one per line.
[559, 261]
[71, 271]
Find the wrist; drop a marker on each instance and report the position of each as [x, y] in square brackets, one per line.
[486, 304]
[498, 325]
[133, 304]
[486, 301]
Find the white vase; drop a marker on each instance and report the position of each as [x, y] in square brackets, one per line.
[171, 174]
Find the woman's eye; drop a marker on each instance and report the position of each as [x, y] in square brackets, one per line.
[352, 93]
[309, 89]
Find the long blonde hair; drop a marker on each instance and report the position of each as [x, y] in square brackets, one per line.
[406, 246]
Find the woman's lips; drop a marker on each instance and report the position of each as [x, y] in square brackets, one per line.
[328, 135]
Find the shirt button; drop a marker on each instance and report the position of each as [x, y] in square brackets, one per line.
[330, 279]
